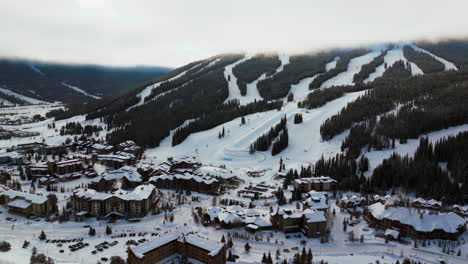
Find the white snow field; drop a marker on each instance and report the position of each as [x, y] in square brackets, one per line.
[147, 90]
[354, 66]
[234, 92]
[332, 64]
[22, 97]
[305, 143]
[449, 66]
[47, 135]
[81, 91]
[390, 58]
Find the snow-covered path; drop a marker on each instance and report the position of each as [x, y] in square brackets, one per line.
[76, 89]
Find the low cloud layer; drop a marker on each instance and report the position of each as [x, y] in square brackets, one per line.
[172, 33]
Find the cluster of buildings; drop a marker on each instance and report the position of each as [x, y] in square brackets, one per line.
[187, 174]
[310, 220]
[414, 223]
[177, 247]
[257, 191]
[236, 216]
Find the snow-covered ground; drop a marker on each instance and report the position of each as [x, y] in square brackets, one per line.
[47, 135]
[81, 91]
[332, 64]
[305, 143]
[22, 97]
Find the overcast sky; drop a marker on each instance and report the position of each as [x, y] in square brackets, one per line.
[175, 32]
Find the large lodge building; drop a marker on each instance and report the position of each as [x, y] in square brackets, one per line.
[175, 246]
[60, 171]
[26, 204]
[319, 184]
[129, 204]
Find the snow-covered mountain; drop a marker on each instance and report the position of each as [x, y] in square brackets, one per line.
[360, 103]
[47, 82]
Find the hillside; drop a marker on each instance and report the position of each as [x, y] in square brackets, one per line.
[346, 112]
[20, 79]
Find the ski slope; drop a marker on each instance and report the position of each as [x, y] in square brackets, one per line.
[305, 142]
[377, 156]
[234, 91]
[76, 89]
[332, 64]
[449, 66]
[147, 90]
[22, 97]
[390, 58]
[354, 66]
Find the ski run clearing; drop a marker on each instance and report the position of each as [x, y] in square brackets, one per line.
[81, 91]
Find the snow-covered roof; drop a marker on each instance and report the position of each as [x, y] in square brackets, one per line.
[131, 173]
[393, 233]
[19, 203]
[184, 176]
[33, 198]
[321, 179]
[314, 216]
[213, 248]
[448, 222]
[216, 172]
[144, 248]
[140, 193]
[316, 203]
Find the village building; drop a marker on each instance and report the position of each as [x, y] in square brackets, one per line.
[12, 157]
[254, 219]
[26, 204]
[320, 184]
[116, 160]
[124, 178]
[316, 201]
[174, 247]
[311, 223]
[460, 210]
[128, 204]
[130, 146]
[429, 204]
[410, 222]
[352, 202]
[30, 147]
[59, 170]
[100, 148]
[186, 181]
